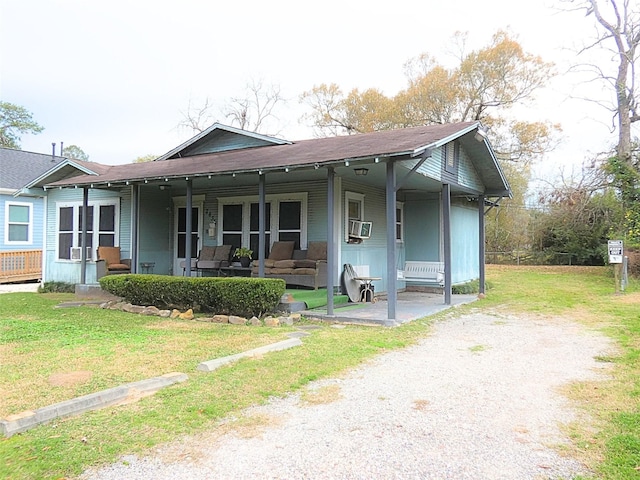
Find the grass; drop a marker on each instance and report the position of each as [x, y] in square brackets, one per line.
[39, 343]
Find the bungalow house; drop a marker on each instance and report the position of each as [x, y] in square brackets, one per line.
[380, 200]
[21, 217]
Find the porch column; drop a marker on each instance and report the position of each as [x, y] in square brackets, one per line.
[187, 246]
[446, 229]
[83, 236]
[392, 287]
[331, 254]
[261, 223]
[481, 243]
[135, 215]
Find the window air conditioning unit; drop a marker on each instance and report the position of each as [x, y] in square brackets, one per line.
[358, 229]
[76, 253]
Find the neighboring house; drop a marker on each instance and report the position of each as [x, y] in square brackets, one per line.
[21, 217]
[423, 189]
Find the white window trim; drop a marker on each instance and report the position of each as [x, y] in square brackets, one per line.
[29, 240]
[77, 228]
[400, 206]
[274, 200]
[356, 197]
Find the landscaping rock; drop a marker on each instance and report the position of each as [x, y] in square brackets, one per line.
[188, 315]
[204, 319]
[255, 321]
[285, 320]
[151, 310]
[133, 308]
[235, 320]
[175, 313]
[164, 313]
[271, 322]
[220, 319]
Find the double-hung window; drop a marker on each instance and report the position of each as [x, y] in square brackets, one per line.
[102, 227]
[18, 223]
[354, 210]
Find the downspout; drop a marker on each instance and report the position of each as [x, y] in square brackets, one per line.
[331, 254]
[83, 236]
[261, 223]
[446, 230]
[481, 243]
[188, 228]
[392, 286]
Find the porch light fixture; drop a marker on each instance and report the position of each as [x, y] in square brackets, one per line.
[233, 175]
[286, 169]
[209, 176]
[146, 181]
[346, 163]
[361, 172]
[316, 166]
[377, 160]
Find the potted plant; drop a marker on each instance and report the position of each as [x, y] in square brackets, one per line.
[244, 255]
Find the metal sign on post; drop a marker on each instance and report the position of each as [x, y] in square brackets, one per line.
[615, 251]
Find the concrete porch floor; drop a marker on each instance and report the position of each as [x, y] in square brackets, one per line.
[410, 306]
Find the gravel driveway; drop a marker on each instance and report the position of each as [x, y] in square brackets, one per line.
[476, 400]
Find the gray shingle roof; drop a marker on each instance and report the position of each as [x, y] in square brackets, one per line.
[17, 167]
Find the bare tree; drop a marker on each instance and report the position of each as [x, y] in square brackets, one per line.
[197, 118]
[256, 107]
[618, 31]
[249, 112]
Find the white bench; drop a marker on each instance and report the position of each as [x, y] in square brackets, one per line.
[427, 272]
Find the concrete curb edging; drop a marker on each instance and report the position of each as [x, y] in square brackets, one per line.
[212, 365]
[24, 421]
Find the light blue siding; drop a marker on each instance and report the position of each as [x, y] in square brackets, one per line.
[69, 271]
[467, 174]
[36, 225]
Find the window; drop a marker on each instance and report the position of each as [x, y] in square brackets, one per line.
[19, 221]
[354, 210]
[399, 222]
[102, 223]
[285, 219]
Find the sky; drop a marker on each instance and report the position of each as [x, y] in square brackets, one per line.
[116, 77]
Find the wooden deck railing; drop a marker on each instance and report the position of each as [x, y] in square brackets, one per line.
[20, 265]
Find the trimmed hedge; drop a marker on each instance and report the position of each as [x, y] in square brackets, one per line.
[224, 295]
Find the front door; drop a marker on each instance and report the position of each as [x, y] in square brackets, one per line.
[180, 240]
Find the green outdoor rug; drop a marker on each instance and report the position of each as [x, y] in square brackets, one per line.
[316, 298]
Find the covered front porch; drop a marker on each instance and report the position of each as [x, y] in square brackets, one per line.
[410, 306]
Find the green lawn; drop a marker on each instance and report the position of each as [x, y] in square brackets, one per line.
[49, 354]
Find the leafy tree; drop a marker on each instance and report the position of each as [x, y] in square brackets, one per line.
[578, 218]
[14, 121]
[145, 158]
[484, 86]
[75, 152]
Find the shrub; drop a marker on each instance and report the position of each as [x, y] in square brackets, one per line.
[224, 295]
[57, 287]
[470, 287]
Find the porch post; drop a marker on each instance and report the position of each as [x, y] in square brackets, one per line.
[392, 287]
[446, 229]
[135, 215]
[188, 228]
[331, 254]
[481, 243]
[83, 236]
[261, 223]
